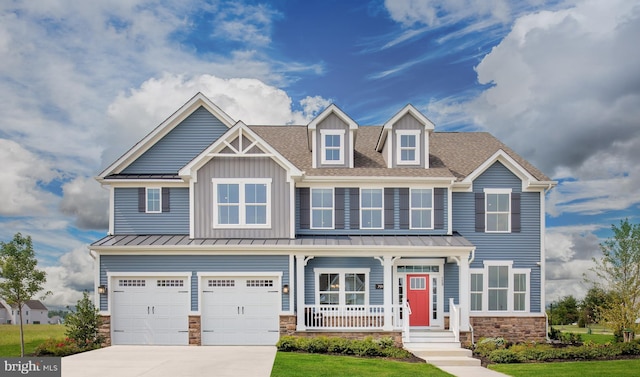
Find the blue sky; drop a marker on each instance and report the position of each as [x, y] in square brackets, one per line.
[81, 82]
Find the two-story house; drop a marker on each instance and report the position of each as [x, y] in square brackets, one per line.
[33, 312]
[223, 233]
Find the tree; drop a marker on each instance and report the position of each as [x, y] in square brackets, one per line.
[565, 311]
[618, 272]
[19, 278]
[83, 324]
[590, 306]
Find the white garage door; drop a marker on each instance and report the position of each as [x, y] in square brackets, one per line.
[150, 311]
[240, 310]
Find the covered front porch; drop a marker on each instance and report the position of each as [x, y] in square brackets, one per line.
[390, 284]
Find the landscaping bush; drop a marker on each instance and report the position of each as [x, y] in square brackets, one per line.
[487, 345]
[367, 347]
[504, 356]
[57, 348]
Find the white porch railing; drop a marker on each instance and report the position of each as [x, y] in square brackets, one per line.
[343, 317]
[454, 319]
[405, 322]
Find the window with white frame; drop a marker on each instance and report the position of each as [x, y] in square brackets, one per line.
[499, 288]
[322, 208]
[498, 210]
[341, 286]
[371, 209]
[332, 146]
[408, 147]
[154, 200]
[421, 209]
[242, 203]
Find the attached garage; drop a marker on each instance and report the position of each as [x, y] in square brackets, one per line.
[150, 310]
[240, 310]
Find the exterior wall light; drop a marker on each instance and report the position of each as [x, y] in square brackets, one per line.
[285, 289]
[102, 289]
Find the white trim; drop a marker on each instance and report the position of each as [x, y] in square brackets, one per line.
[497, 191]
[381, 209]
[192, 209]
[314, 154]
[112, 210]
[163, 129]
[292, 210]
[146, 199]
[341, 276]
[399, 148]
[333, 207]
[332, 109]
[241, 182]
[449, 210]
[510, 292]
[350, 152]
[543, 251]
[408, 109]
[420, 208]
[323, 147]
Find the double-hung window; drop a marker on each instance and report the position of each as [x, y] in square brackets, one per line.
[332, 146]
[242, 203]
[371, 209]
[499, 288]
[322, 208]
[341, 286]
[421, 209]
[154, 200]
[408, 147]
[498, 210]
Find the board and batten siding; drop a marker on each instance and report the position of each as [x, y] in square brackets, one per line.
[242, 167]
[376, 275]
[128, 219]
[195, 263]
[333, 122]
[523, 247]
[407, 122]
[180, 145]
[396, 212]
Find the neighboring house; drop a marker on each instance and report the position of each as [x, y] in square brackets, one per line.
[223, 233]
[56, 320]
[34, 312]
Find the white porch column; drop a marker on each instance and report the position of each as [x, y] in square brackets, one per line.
[463, 292]
[387, 265]
[300, 293]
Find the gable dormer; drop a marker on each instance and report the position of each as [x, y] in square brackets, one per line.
[404, 139]
[331, 137]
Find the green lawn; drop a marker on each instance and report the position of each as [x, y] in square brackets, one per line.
[595, 329]
[33, 336]
[572, 369]
[291, 364]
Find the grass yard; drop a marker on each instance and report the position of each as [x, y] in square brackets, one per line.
[595, 329]
[291, 364]
[572, 369]
[33, 336]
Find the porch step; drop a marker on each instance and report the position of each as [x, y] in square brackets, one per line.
[445, 356]
[432, 336]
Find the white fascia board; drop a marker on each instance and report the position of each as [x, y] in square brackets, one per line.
[332, 109]
[408, 109]
[190, 170]
[164, 128]
[309, 181]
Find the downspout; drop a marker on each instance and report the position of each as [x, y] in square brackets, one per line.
[473, 256]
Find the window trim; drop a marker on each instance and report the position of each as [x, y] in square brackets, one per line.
[510, 289]
[333, 207]
[323, 149]
[381, 208]
[342, 293]
[492, 191]
[411, 208]
[242, 205]
[146, 199]
[399, 148]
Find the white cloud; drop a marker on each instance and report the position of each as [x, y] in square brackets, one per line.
[438, 12]
[86, 201]
[70, 277]
[564, 92]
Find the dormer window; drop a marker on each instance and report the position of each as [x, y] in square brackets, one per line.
[332, 146]
[408, 147]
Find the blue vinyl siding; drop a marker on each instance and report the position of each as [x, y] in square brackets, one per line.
[522, 248]
[375, 275]
[348, 229]
[180, 145]
[128, 220]
[195, 264]
[451, 284]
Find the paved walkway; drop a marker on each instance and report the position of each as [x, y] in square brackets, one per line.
[472, 372]
[171, 361]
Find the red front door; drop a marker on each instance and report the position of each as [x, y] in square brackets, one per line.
[418, 297]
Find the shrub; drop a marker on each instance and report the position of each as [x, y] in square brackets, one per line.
[317, 345]
[339, 345]
[287, 344]
[487, 345]
[83, 323]
[58, 348]
[570, 338]
[367, 347]
[504, 356]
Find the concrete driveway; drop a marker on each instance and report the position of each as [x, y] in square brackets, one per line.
[171, 361]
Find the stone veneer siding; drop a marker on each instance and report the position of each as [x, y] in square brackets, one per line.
[512, 329]
[195, 332]
[104, 329]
